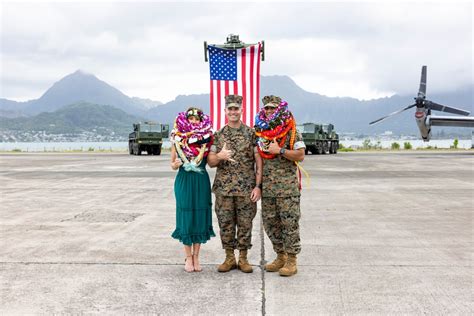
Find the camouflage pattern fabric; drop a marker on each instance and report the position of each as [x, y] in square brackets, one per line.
[233, 100]
[235, 212]
[271, 99]
[280, 175]
[235, 178]
[280, 218]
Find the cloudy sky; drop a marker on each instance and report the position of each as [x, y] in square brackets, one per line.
[155, 49]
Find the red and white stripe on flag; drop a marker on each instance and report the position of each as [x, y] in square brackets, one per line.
[247, 85]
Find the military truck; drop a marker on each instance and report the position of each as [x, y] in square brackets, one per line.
[319, 138]
[147, 136]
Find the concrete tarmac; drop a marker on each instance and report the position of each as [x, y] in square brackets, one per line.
[382, 233]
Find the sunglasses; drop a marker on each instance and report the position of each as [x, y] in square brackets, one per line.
[269, 107]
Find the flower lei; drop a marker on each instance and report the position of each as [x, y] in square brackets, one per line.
[277, 126]
[192, 140]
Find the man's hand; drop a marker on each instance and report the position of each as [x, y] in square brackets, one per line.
[274, 148]
[256, 194]
[225, 154]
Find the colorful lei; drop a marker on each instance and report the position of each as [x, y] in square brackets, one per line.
[277, 126]
[192, 140]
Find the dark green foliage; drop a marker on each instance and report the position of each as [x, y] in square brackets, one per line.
[76, 118]
[395, 146]
[455, 143]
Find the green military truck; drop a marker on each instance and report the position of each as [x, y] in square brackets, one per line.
[319, 138]
[147, 136]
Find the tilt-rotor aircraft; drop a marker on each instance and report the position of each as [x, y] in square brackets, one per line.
[423, 116]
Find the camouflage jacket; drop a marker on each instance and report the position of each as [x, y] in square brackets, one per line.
[235, 178]
[280, 178]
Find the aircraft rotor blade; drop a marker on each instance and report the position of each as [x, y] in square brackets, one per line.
[444, 108]
[391, 114]
[422, 90]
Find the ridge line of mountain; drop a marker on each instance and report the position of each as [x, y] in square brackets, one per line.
[348, 114]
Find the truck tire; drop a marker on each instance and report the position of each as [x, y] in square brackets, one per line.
[306, 151]
[139, 150]
[325, 147]
[320, 149]
[158, 151]
[130, 148]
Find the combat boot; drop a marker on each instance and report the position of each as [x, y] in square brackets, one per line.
[244, 265]
[290, 267]
[278, 263]
[229, 262]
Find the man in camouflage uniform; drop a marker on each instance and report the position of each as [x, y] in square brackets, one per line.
[237, 184]
[281, 198]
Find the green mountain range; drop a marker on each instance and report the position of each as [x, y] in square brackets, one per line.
[50, 112]
[74, 119]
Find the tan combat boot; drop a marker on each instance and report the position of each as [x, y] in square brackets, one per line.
[244, 265]
[229, 262]
[290, 267]
[278, 263]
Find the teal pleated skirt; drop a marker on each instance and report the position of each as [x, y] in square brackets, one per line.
[193, 206]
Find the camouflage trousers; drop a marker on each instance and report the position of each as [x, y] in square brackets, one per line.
[280, 218]
[235, 212]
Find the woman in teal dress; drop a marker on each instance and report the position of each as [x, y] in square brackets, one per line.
[192, 139]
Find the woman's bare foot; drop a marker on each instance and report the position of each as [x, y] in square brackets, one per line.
[197, 266]
[188, 264]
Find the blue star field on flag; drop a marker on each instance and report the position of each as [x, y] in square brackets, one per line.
[223, 63]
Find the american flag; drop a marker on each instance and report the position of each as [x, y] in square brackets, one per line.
[235, 71]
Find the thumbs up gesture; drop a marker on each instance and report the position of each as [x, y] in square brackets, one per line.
[225, 154]
[274, 148]
[176, 163]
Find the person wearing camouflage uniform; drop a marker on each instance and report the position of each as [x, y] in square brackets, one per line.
[237, 184]
[281, 198]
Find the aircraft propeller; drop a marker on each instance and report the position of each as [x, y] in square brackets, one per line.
[424, 105]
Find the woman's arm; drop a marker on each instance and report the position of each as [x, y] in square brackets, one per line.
[175, 161]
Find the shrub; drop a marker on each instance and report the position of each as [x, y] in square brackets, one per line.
[366, 144]
[455, 143]
[407, 145]
[395, 146]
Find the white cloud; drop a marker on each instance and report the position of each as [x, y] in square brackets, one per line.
[155, 50]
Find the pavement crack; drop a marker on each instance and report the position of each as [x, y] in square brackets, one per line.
[262, 262]
[97, 263]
